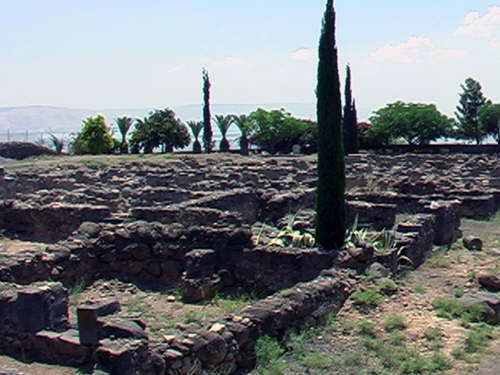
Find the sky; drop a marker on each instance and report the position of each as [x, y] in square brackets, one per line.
[149, 53]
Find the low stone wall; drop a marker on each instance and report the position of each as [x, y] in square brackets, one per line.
[47, 223]
[124, 349]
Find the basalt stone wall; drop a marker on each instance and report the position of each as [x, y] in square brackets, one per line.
[47, 223]
[226, 346]
[138, 251]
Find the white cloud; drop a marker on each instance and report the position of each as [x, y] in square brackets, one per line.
[487, 25]
[229, 61]
[413, 50]
[448, 53]
[304, 54]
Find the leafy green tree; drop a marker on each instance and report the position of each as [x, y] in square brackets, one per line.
[224, 123]
[277, 131]
[245, 126]
[124, 124]
[330, 197]
[489, 118]
[207, 119]
[160, 129]
[196, 128]
[417, 124]
[350, 118]
[471, 101]
[95, 137]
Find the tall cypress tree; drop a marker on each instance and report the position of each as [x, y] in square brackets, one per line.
[354, 129]
[330, 200]
[350, 118]
[207, 121]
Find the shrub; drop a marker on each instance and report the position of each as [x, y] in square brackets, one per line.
[368, 297]
[160, 128]
[417, 124]
[94, 138]
[277, 131]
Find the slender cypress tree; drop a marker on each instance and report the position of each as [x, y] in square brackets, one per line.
[207, 123]
[347, 119]
[350, 118]
[330, 200]
[354, 129]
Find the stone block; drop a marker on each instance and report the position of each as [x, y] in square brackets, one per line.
[200, 263]
[43, 307]
[88, 326]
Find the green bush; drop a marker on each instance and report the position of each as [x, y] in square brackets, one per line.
[417, 124]
[95, 137]
[368, 297]
[277, 131]
[160, 129]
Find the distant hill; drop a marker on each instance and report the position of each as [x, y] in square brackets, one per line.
[35, 122]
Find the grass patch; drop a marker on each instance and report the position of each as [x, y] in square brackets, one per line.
[420, 288]
[231, 305]
[434, 336]
[370, 297]
[478, 337]
[394, 323]
[397, 338]
[440, 259]
[192, 316]
[137, 308]
[366, 328]
[408, 360]
[318, 361]
[387, 286]
[268, 352]
[452, 308]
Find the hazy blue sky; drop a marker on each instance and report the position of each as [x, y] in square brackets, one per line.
[149, 53]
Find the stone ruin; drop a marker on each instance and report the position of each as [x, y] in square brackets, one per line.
[194, 224]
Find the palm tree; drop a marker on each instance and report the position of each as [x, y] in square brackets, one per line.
[196, 128]
[244, 124]
[124, 124]
[224, 123]
[57, 143]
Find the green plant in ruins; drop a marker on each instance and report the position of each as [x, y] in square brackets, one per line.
[223, 124]
[330, 200]
[196, 128]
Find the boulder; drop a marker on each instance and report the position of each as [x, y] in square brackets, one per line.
[489, 281]
[473, 243]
